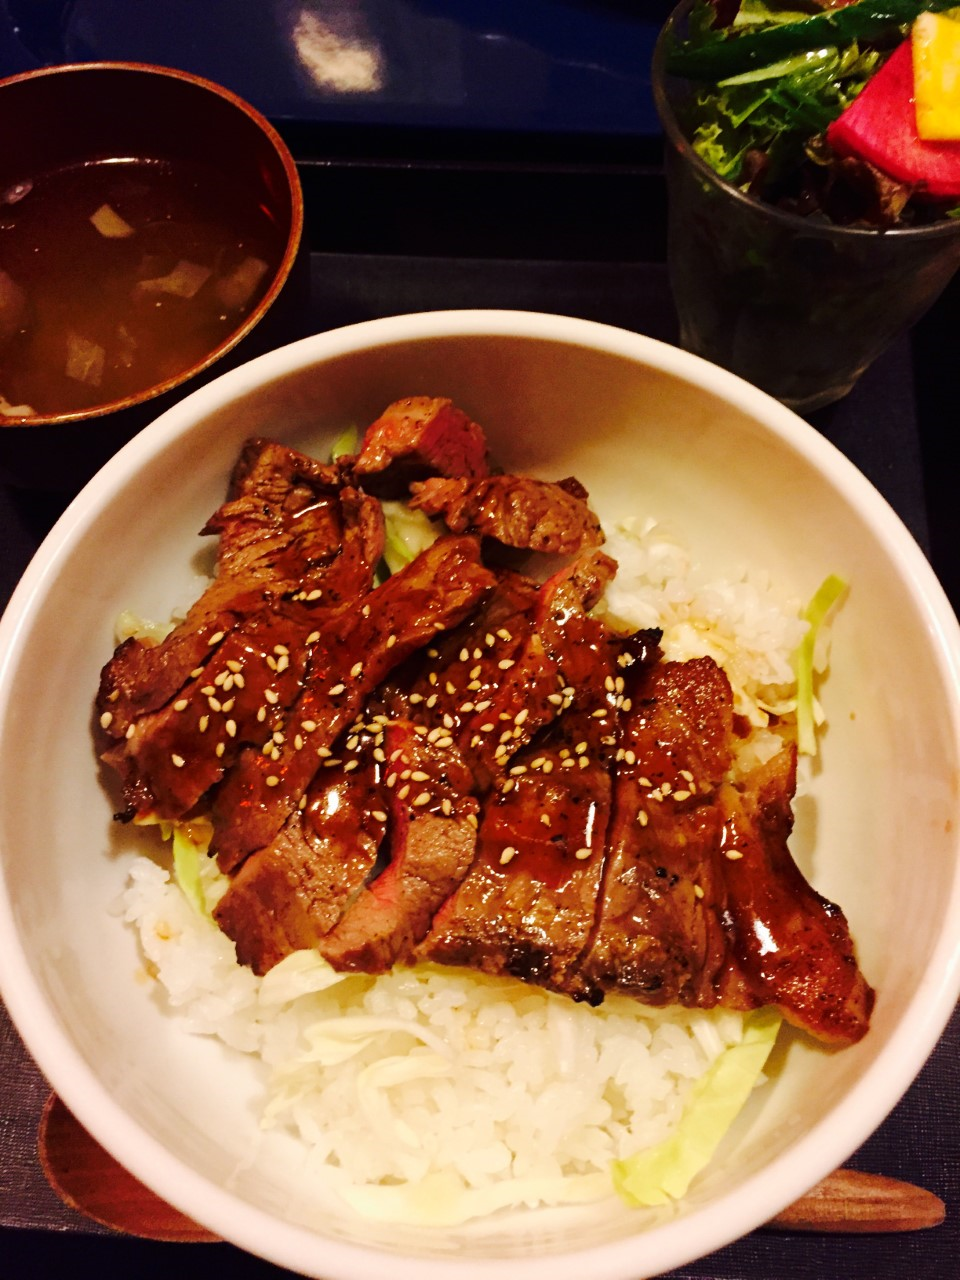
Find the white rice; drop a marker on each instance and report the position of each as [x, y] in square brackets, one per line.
[440, 1094]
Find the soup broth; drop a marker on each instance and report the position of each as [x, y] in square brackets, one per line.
[118, 275]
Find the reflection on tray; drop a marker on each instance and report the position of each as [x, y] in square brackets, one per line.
[562, 66]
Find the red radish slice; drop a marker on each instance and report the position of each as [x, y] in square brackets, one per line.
[880, 126]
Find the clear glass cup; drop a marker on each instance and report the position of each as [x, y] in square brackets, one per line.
[800, 308]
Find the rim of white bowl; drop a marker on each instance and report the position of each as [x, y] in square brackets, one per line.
[654, 1250]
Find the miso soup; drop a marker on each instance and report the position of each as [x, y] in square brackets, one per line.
[118, 275]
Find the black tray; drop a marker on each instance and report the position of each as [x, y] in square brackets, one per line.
[582, 238]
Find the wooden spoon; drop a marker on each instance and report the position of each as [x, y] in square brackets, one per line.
[92, 1182]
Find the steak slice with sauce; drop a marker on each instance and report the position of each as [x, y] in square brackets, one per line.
[528, 904]
[289, 895]
[791, 945]
[416, 437]
[660, 936]
[245, 674]
[434, 592]
[432, 837]
[517, 511]
[288, 533]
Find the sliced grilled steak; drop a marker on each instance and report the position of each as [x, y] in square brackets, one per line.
[435, 591]
[528, 904]
[791, 944]
[244, 676]
[289, 895]
[515, 510]
[433, 832]
[286, 545]
[660, 936]
[417, 437]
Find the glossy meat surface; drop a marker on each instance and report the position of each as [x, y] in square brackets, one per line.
[466, 764]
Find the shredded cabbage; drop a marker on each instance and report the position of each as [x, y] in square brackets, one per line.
[809, 714]
[407, 533]
[664, 1172]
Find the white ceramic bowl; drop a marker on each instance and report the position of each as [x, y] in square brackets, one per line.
[647, 428]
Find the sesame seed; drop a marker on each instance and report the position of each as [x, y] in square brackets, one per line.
[208, 690]
[466, 707]
[434, 734]
[272, 780]
[686, 775]
[231, 728]
[582, 854]
[446, 804]
[600, 711]
[239, 681]
[569, 763]
[505, 664]
[644, 782]
[518, 769]
[220, 748]
[216, 637]
[555, 698]
[508, 855]
[298, 742]
[627, 704]
[698, 892]
[423, 798]
[365, 611]
[302, 803]
[433, 653]
[228, 705]
[353, 742]
[643, 817]
[630, 756]
[504, 634]
[313, 637]
[583, 761]
[464, 655]
[324, 752]
[178, 761]
[131, 730]
[202, 723]
[214, 704]
[282, 663]
[473, 686]
[432, 677]
[580, 748]
[609, 685]
[432, 701]
[450, 687]
[379, 815]
[734, 855]
[337, 688]
[521, 716]
[195, 674]
[261, 714]
[391, 641]
[391, 779]
[379, 755]
[308, 726]
[351, 764]
[666, 788]
[508, 786]
[106, 720]
[234, 666]
[548, 766]
[271, 696]
[332, 762]
[404, 791]
[271, 662]
[681, 795]
[356, 669]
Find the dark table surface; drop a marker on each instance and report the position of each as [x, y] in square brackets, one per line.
[398, 228]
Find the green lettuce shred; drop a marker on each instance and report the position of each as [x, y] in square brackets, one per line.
[663, 1173]
[825, 597]
[345, 445]
[406, 534]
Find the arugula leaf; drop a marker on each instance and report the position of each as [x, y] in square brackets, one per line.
[777, 109]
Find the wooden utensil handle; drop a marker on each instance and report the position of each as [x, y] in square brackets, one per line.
[851, 1201]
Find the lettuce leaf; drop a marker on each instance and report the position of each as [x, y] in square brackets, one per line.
[663, 1173]
[824, 598]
